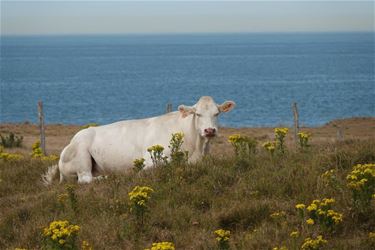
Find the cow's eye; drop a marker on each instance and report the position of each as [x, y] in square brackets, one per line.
[216, 114]
[199, 115]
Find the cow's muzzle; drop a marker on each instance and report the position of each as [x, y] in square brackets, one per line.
[210, 132]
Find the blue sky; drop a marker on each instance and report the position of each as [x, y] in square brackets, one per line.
[123, 17]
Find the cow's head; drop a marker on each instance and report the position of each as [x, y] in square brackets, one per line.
[205, 113]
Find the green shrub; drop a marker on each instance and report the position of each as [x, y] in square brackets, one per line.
[244, 149]
[280, 134]
[139, 164]
[177, 155]
[157, 155]
[11, 140]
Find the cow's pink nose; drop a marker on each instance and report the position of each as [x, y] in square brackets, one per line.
[210, 132]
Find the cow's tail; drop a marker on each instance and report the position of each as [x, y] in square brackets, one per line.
[50, 174]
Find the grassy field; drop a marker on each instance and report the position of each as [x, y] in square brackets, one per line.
[253, 198]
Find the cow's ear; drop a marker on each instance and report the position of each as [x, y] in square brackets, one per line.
[186, 110]
[227, 106]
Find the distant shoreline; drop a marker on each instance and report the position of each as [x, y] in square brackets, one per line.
[334, 121]
[182, 34]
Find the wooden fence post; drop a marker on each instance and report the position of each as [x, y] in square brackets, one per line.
[41, 127]
[340, 133]
[169, 108]
[296, 123]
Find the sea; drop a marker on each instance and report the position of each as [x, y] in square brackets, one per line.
[107, 78]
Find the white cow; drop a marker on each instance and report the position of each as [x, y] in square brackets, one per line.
[113, 147]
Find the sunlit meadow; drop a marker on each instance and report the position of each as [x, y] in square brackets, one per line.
[260, 195]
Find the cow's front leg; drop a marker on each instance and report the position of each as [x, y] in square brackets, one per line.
[84, 177]
[148, 161]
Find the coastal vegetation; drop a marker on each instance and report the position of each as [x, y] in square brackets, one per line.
[253, 196]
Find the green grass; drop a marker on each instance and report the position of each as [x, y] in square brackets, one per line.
[190, 202]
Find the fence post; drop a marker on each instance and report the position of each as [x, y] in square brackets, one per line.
[340, 133]
[41, 127]
[169, 108]
[296, 123]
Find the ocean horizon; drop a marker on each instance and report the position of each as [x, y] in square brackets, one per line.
[107, 78]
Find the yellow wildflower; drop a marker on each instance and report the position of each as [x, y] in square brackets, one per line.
[281, 131]
[312, 244]
[162, 246]
[156, 148]
[10, 157]
[300, 206]
[294, 234]
[234, 138]
[277, 215]
[222, 235]
[312, 207]
[269, 146]
[86, 246]
[139, 196]
[303, 135]
[280, 248]
[59, 231]
[62, 197]
[310, 221]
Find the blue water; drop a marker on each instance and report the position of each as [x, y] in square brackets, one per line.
[104, 79]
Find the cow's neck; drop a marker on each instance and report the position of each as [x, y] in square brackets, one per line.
[201, 145]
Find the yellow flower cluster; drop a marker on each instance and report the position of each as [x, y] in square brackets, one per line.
[162, 246]
[156, 148]
[334, 216]
[10, 157]
[294, 234]
[278, 215]
[303, 139]
[320, 211]
[50, 158]
[177, 136]
[371, 236]
[313, 244]
[244, 146]
[270, 146]
[62, 197]
[236, 138]
[280, 248]
[38, 154]
[362, 177]
[139, 196]
[177, 156]
[139, 164]
[86, 246]
[222, 235]
[36, 150]
[310, 221]
[328, 175]
[303, 135]
[60, 231]
[300, 206]
[281, 132]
